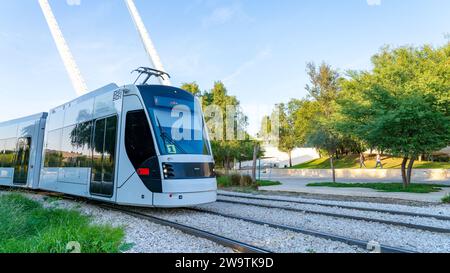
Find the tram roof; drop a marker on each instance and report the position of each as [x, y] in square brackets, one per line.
[24, 119]
[105, 89]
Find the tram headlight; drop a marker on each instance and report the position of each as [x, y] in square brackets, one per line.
[167, 170]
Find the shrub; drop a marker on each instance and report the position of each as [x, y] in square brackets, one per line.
[446, 199]
[246, 181]
[219, 174]
[224, 181]
[236, 179]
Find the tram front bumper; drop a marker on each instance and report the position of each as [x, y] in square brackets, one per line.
[174, 200]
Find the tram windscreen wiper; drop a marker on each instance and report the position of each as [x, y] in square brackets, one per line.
[167, 137]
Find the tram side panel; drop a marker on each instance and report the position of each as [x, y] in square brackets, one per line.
[20, 151]
[134, 140]
[79, 156]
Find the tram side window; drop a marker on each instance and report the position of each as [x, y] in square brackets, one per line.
[2, 153]
[83, 144]
[69, 147]
[7, 152]
[75, 146]
[138, 138]
[53, 154]
[110, 149]
[104, 149]
[98, 141]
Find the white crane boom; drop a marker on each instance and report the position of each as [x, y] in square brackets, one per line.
[145, 37]
[63, 49]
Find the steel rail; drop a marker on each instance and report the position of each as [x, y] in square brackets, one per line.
[395, 212]
[219, 239]
[363, 244]
[344, 216]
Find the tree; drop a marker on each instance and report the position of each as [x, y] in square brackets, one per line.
[192, 88]
[255, 159]
[304, 120]
[323, 138]
[402, 105]
[226, 151]
[288, 140]
[406, 125]
[324, 87]
[314, 122]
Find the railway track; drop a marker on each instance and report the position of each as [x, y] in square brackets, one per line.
[350, 241]
[343, 216]
[394, 212]
[224, 241]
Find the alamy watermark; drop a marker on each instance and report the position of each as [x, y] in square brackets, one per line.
[73, 247]
[223, 124]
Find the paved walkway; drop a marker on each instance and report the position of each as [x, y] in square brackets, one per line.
[299, 185]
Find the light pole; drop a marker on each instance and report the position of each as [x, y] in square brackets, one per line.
[146, 40]
[69, 62]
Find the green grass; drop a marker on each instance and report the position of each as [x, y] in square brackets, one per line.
[352, 162]
[384, 187]
[446, 199]
[27, 227]
[266, 183]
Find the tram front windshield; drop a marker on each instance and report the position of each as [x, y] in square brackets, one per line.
[177, 120]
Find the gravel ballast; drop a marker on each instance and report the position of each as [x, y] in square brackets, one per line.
[425, 221]
[417, 240]
[273, 239]
[443, 209]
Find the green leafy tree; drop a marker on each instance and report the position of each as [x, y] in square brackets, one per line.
[226, 151]
[402, 105]
[324, 86]
[192, 88]
[315, 120]
[324, 138]
[288, 139]
[304, 120]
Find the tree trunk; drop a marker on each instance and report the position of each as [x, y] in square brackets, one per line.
[405, 181]
[290, 159]
[227, 165]
[255, 159]
[332, 169]
[410, 168]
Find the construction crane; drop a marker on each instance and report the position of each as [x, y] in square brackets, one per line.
[148, 44]
[69, 62]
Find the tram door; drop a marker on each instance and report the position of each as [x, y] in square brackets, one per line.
[104, 157]
[21, 161]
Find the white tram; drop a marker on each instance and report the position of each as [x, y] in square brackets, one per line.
[139, 145]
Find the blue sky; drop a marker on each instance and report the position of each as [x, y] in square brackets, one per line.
[258, 47]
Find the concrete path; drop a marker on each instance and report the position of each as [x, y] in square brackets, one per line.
[299, 185]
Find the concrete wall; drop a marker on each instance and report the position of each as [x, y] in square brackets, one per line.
[354, 174]
[275, 156]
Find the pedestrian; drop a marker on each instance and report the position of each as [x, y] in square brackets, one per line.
[379, 162]
[362, 160]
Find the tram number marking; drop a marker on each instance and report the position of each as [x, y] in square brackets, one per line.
[171, 149]
[117, 95]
